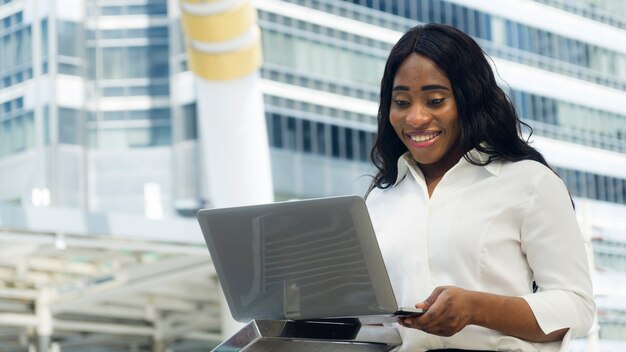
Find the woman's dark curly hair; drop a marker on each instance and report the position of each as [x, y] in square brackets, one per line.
[487, 117]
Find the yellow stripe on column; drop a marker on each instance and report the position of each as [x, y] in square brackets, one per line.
[220, 26]
[225, 66]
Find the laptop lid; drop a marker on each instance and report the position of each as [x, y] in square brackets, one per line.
[305, 259]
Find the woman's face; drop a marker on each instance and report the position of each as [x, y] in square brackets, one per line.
[423, 113]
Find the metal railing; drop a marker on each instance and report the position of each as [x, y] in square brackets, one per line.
[297, 77]
[552, 65]
[401, 24]
[568, 134]
[588, 11]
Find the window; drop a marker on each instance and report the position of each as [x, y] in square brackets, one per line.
[276, 137]
[189, 112]
[306, 136]
[321, 137]
[331, 60]
[135, 62]
[70, 38]
[303, 135]
[15, 51]
[291, 134]
[335, 142]
[16, 127]
[349, 143]
[133, 137]
[70, 126]
[576, 123]
[594, 186]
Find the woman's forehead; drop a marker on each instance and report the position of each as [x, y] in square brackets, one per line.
[418, 69]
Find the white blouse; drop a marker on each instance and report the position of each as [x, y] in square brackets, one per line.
[496, 228]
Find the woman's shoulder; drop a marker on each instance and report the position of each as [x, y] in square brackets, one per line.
[374, 195]
[531, 173]
[530, 168]
[380, 196]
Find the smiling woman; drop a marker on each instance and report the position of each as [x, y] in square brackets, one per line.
[473, 224]
[424, 115]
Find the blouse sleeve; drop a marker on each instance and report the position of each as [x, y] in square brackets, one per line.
[555, 250]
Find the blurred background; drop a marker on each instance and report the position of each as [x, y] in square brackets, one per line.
[101, 147]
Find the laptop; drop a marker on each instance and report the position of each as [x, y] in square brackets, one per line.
[301, 260]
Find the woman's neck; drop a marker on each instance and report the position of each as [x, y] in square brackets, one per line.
[433, 173]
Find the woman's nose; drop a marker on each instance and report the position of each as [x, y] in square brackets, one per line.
[418, 116]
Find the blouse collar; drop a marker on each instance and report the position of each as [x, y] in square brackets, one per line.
[407, 164]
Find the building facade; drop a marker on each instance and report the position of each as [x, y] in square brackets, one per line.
[98, 109]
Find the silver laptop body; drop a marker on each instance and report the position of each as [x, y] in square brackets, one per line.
[300, 260]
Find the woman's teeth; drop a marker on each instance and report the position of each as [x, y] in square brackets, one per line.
[424, 137]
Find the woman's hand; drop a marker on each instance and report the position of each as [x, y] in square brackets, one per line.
[449, 309]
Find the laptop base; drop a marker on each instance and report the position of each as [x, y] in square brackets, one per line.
[310, 336]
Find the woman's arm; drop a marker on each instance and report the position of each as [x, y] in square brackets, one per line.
[554, 248]
[450, 309]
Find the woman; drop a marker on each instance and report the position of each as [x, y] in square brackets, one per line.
[469, 217]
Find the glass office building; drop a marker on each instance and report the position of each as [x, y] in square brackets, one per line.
[98, 109]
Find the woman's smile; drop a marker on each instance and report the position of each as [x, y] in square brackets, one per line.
[424, 115]
[423, 139]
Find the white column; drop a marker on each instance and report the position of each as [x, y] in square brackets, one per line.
[44, 317]
[233, 139]
[224, 52]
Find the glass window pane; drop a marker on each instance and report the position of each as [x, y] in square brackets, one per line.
[306, 136]
[68, 126]
[113, 63]
[138, 137]
[112, 138]
[161, 135]
[138, 59]
[69, 38]
[159, 64]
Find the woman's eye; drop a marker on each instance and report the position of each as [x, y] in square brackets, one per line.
[436, 101]
[401, 103]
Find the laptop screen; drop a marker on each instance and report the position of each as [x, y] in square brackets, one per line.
[298, 260]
